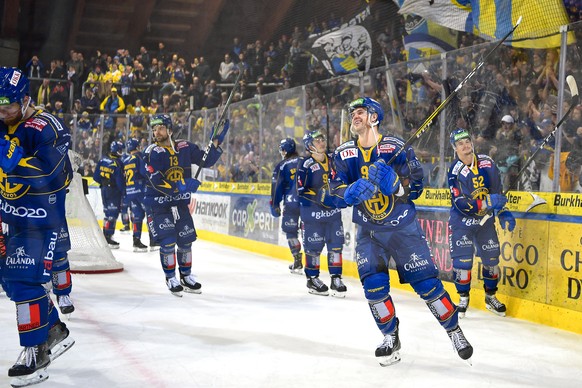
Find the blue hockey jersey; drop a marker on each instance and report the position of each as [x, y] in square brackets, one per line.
[351, 162]
[135, 175]
[166, 167]
[283, 183]
[469, 185]
[33, 193]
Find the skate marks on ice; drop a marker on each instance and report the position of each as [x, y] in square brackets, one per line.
[255, 325]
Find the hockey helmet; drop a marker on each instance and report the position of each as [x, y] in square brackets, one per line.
[459, 134]
[116, 148]
[371, 105]
[309, 137]
[14, 85]
[132, 144]
[161, 119]
[287, 145]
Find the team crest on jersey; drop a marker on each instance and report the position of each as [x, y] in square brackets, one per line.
[465, 171]
[386, 147]
[15, 78]
[35, 123]
[484, 164]
[349, 153]
[181, 145]
[379, 206]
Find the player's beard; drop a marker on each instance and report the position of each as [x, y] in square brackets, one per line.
[163, 139]
[15, 120]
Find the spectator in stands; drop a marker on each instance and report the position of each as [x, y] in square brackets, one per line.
[159, 77]
[203, 71]
[90, 102]
[227, 70]
[196, 91]
[34, 69]
[162, 54]
[212, 95]
[59, 94]
[144, 55]
[44, 93]
[55, 71]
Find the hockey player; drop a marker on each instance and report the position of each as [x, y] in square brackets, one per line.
[34, 174]
[322, 225]
[109, 175]
[283, 189]
[381, 196]
[475, 184]
[135, 178]
[168, 191]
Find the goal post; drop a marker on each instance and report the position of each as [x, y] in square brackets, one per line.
[89, 252]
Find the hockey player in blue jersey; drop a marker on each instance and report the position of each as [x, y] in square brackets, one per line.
[283, 189]
[111, 179]
[322, 225]
[381, 196]
[135, 178]
[475, 184]
[34, 174]
[168, 192]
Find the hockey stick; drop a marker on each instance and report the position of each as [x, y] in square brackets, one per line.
[426, 124]
[218, 124]
[537, 200]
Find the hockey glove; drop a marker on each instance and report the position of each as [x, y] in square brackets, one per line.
[189, 185]
[383, 176]
[415, 190]
[506, 220]
[275, 210]
[495, 201]
[220, 133]
[359, 191]
[10, 155]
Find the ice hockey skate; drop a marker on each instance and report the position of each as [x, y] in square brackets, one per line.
[316, 286]
[65, 304]
[494, 305]
[337, 286]
[388, 352]
[154, 247]
[30, 367]
[138, 246]
[112, 243]
[460, 344]
[190, 284]
[297, 266]
[174, 286]
[59, 340]
[125, 230]
[463, 304]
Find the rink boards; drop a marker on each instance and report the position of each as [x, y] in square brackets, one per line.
[541, 260]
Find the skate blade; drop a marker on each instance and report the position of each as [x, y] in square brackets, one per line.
[113, 246]
[297, 271]
[61, 348]
[34, 378]
[392, 359]
[501, 314]
[469, 361]
[140, 249]
[125, 231]
[325, 293]
[461, 315]
[154, 249]
[190, 291]
[176, 293]
[338, 294]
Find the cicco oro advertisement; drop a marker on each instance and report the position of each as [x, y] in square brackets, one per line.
[250, 217]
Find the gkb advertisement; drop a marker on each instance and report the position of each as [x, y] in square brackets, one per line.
[251, 218]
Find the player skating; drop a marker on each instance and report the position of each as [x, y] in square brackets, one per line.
[135, 178]
[283, 189]
[109, 175]
[322, 225]
[475, 185]
[34, 164]
[168, 191]
[382, 195]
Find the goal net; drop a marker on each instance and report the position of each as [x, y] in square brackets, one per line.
[89, 251]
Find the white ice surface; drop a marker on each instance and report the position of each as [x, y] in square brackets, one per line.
[255, 325]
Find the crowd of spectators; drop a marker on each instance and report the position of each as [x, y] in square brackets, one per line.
[509, 107]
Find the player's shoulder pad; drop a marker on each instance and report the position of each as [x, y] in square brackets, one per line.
[484, 161]
[456, 167]
[389, 139]
[305, 163]
[347, 150]
[181, 143]
[292, 162]
[154, 147]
